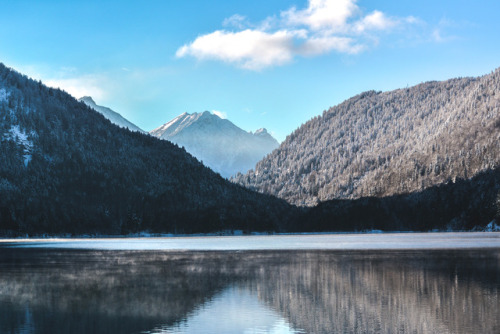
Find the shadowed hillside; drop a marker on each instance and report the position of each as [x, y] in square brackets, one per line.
[67, 169]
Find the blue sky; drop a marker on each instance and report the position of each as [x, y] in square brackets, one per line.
[272, 64]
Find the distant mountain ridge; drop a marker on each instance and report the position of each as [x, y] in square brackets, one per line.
[112, 115]
[65, 168]
[382, 144]
[221, 145]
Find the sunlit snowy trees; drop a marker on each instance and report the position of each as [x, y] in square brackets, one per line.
[379, 144]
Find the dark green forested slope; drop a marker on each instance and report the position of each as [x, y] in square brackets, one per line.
[460, 205]
[65, 168]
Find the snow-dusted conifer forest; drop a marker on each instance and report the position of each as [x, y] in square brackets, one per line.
[386, 143]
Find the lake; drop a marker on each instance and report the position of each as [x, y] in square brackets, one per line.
[352, 283]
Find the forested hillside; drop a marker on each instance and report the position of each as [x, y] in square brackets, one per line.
[66, 169]
[380, 144]
[461, 205]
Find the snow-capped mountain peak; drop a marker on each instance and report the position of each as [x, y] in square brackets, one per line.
[217, 142]
[261, 131]
[88, 100]
[263, 134]
[113, 116]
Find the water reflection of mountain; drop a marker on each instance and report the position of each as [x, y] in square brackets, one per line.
[318, 291]
[427, 292]
[103, 292]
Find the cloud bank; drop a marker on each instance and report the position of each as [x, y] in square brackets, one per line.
[324, 26]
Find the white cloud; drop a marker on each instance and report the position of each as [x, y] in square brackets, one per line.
[320, 45]
[221, 114]
[436, 35]
[375, 21]
[439, 33]
[413, 20]
[88, 85]
[236, 20]
[67, 79]
[323, 26]
[322, 14]
[250, 49]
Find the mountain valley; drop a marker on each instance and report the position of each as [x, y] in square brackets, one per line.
[415, 159]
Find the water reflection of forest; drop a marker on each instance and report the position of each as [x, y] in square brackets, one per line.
[319, 291]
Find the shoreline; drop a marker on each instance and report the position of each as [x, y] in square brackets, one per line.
[344, 241]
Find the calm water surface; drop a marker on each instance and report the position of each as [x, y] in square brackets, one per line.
[384, 290]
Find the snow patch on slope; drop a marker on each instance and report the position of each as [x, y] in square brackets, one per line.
[4, 95]
[20, 137]
[492, 227]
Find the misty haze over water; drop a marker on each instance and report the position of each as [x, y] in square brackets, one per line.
[453, 289]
